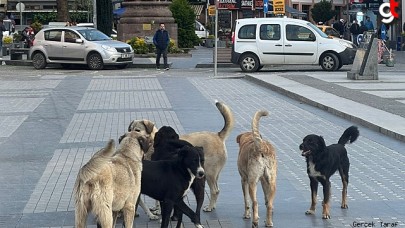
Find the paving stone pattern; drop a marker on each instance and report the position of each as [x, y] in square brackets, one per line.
[375, 193]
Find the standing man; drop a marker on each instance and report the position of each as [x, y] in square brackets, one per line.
[369, 24]
[355, 30]
[2, 28]
[161, 41]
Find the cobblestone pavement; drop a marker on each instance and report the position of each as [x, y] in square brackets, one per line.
[52, 121]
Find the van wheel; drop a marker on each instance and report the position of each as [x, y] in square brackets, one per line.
[95, 62]
[39, 60]
[330, 62]
[249, 63]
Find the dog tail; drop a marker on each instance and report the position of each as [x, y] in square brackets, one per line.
[86, 173]
[349, 135]
[255, 127]
[228, 119]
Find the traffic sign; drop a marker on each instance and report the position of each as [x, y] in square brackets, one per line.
[20, 7]
[211, 10]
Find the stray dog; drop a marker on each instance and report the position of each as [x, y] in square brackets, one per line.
[322, 163]
[169, 180]
[257, 162]
[110, 182]
[213, 144]
[166, 146]
[146, 127]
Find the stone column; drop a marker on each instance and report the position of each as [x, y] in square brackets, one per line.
[142, 18]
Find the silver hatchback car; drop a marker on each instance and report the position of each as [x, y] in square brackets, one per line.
[79, 45]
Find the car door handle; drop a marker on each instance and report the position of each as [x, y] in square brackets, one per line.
[288, 45]
[278, 45]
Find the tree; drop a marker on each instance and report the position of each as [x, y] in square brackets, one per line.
[104, 16]
[322, 11]
[184, 16]
[63, 11]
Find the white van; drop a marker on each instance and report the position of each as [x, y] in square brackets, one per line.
[200, 30]
[264, 41]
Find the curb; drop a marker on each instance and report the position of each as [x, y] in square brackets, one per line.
[329, 109]
[211, 65]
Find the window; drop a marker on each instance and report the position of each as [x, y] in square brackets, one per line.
[71, 37]
[247, 32]
[53, 35]
[299, 33]
[270, 32]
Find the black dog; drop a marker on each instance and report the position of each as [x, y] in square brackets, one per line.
[322, 163]
[166, 146]
[169, 180]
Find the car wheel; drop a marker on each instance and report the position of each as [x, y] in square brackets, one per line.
[330, 62]
[95, 62]
[122, 66]
[260, 67]
[39, 60]
[249, 63]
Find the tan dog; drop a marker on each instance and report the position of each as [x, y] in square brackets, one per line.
[257, 162]
[215, 153]
[110, 182]
[146, 127]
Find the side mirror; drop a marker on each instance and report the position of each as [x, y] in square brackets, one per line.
[312, 37]
[80, 41]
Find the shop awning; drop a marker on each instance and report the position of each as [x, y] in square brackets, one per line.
[119, 11]
[197, 9]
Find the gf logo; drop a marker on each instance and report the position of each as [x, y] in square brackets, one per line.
[389, 16]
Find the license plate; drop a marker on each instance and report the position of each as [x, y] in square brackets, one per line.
[126, 55]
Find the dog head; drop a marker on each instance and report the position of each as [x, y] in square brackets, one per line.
[193, 159]
[165, 134]
[311, 145]
[145, 127]
[144, 141]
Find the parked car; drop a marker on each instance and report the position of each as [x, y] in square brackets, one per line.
[79, 45]
[284, 41]
[328, 30]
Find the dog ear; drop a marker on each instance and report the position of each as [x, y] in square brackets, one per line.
[130, 125]
[321, 142]
[238, 138]
[121, 138]
[149, 125]
[144, 142]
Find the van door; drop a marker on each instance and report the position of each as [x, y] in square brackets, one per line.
[300, 45]
[270, 44]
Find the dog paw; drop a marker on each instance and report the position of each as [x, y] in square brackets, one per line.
[208, 209]
[255, 224]
[199, 226]
[156, 212]
[246, 215]
[153, 217]
[344, 206]
[310, 212]
[269, 224]
[326, 216]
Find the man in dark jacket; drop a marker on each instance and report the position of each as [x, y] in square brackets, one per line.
[355, 30]
[161, 41]
[2, 28]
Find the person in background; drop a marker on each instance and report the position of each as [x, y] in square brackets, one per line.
[340, 27]
[2, 29]
[355, 31]
[363, 27]
[28, 36]
[369, 24]
[161, 41]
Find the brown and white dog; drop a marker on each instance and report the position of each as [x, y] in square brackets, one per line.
[257, 162]
[111, 182]
[215, 153]
[146, 127]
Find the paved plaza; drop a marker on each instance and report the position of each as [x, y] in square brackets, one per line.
[53, 120]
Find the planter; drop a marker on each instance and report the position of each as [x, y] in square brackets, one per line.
[209, 43]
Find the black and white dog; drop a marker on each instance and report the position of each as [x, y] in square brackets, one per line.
[323, 161]
[169, 180]
[166, 146]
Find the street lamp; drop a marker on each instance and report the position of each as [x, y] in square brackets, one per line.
[95, 13]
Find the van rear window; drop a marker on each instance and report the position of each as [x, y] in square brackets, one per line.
[247, 32]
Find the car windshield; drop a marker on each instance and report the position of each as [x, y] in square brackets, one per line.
[319, 31]
[93, 35]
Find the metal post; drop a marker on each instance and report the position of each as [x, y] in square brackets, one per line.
[206, 19]
[95, 13]
[21, 17]
[216, 41]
